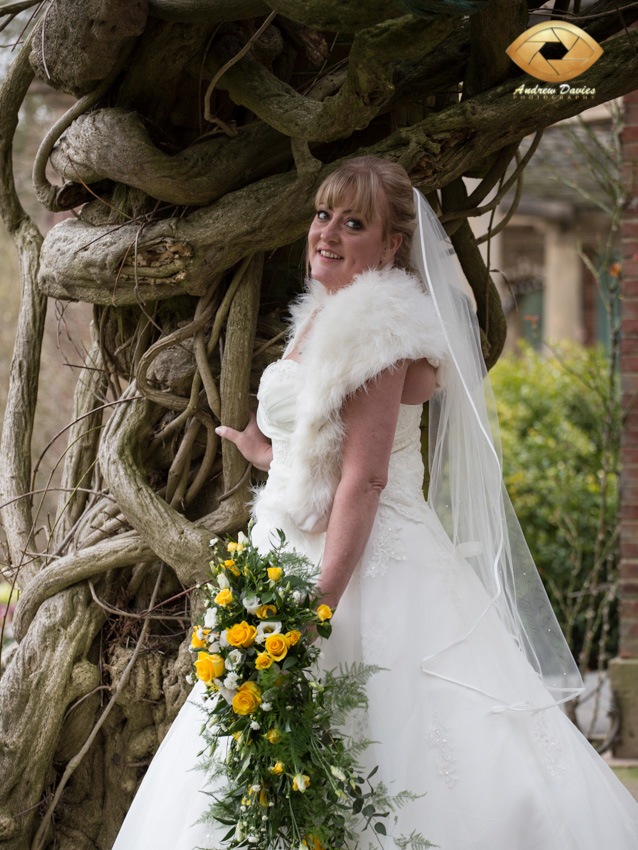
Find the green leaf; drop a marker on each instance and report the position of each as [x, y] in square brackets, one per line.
[380, 828]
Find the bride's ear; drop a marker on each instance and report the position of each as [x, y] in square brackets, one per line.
[393, 245]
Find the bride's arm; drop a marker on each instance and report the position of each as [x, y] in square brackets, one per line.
[370, 419]
[253, 445]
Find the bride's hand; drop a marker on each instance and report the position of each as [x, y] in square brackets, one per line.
[253, 445]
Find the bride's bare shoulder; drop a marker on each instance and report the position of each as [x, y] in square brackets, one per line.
[420, 382]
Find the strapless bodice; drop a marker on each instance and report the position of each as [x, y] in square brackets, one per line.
[277, 395]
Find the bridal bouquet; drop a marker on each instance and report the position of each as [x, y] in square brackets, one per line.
[285, 777]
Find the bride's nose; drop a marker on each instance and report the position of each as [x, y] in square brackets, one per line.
[329, 231]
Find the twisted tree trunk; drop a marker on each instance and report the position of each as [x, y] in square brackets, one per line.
[192, 156]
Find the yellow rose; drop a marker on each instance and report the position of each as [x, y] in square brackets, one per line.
[274, 573]
[265, 611]
[240, 547]
[276, 646]
[293, 637]
[199, 643]
[253, 687]
[278, 767]
[209, 667]
[224, 597]
[247, 698]
[300, 782]
[241, 634]
[324, 612]
[273, 736]
[263, 661]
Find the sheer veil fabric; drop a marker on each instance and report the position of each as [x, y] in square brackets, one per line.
[466, 483]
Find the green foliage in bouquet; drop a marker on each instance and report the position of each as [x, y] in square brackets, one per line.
[282, 775]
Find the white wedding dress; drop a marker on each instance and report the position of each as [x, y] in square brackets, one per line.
[493, 778]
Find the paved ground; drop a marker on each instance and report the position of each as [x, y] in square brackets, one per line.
[629, 777]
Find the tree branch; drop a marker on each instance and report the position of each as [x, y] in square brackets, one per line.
[366, 90]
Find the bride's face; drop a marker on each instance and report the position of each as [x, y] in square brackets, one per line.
[342, 243]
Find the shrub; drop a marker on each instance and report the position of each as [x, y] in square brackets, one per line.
[560, 427]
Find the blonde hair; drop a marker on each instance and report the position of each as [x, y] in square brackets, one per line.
[363, 180]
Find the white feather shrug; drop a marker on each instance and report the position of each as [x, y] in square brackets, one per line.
[382, 317]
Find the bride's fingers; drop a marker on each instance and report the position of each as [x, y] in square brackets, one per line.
[227, 433]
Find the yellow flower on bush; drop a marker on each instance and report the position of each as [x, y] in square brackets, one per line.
[293, 637]
[209, 667]
[278, 767]
[324, 612]
[224, 597]
[274, 573]
[273, 736]
[263, 661]
[241, 634]
[247, 699]
[265, 611]
[300, 782]
[196, 642]
[263, 798]
[277, 646]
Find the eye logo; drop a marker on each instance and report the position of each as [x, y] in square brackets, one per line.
[554, 51]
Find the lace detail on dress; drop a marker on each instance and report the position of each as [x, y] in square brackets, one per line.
[438, 737]
[551, 750]
[385, 543]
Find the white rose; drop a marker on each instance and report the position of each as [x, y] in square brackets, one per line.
[268, 627]
[233, 659]
[223, 582]
[252, 603]
[210, 618]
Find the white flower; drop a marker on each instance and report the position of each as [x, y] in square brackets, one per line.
[239, 832]
[252, 603]
[223, 641]
[297, 596]
[189, 679]
[268, 627]
[210, 618]
[300, 779]
[223, 582]
[255, 788]
[253, 839]
[266, 706]
[213, 643]
[227, 694]
[254, 724]
[241, 538]
[231, 681]
[214, 541]
[338, 773]
[234, 659]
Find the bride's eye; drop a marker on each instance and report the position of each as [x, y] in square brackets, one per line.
[355, 224]
[322, 215]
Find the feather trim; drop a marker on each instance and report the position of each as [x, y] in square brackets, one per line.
[382, 317]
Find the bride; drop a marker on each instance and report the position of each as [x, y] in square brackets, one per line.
[441, 593]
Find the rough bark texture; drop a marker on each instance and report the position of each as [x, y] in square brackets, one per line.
[184, 227]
